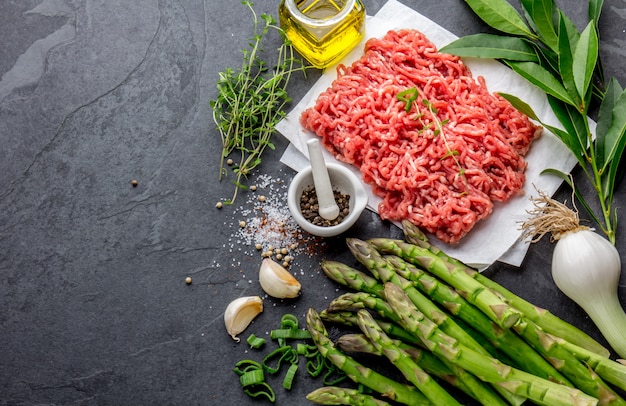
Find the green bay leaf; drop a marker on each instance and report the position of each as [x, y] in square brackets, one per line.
[605, 118]
[595, 9]
[492, 46]
[615, 136]
[542, 78]
[566, 58]
[585, 58]
[569, 139]
[542, 13]
[575, 124]
[520, 105]
[500, 15]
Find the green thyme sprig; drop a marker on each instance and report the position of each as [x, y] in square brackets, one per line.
[410, 97]
[251, 101]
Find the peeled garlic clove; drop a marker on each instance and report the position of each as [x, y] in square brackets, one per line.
[240, 313]
[276, 281]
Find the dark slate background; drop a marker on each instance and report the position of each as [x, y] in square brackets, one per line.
[94, 309]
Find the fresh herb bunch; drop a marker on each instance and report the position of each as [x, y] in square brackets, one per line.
[251, 100]
[545, 47]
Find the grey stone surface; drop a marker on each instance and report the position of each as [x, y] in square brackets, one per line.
[94, 309]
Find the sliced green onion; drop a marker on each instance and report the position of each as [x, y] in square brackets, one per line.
[292, 334]
[252, 373]
[289, 321]
[307, 350]
[333, 375]
[281, 354]
[315, 365]
[255, 342]
[289, 330]
[246, 365]
[252, 379]
[289, 376]
[262, 389]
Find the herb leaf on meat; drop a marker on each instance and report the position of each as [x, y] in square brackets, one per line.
[409, 97]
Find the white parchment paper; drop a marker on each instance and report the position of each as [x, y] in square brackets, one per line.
[498, 236]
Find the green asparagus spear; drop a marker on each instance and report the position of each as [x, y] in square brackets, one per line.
[379, 267]
[333, 395]
[411, 371]
[455, 376]
[610, 371]
[357, 372]
[361, 300]
[563, 360]
[349, 319]
[569, 337]
[359, 343]
[414, 235]
[489, 369]
[350, 277]
[506, 340]
[542, 317]
[495, 308]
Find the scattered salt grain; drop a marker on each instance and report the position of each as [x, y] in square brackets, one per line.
[268, 222]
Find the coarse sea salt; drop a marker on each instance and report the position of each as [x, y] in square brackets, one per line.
[262, 223]
[268, 223]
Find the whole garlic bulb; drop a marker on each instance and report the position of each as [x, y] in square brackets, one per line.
[276, 281]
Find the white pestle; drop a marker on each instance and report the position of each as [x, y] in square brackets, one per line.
[328, 208]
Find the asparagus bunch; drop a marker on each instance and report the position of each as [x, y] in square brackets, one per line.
[541, 391]
[542, 317]
[411, 371]
[443, 370]
[443, 324]
[517, 347]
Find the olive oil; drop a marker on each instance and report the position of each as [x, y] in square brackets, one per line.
[323, 31]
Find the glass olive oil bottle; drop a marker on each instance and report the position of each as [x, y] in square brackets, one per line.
[323, 31]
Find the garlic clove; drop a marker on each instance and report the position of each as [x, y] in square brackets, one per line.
[239, 314]
[276, 281]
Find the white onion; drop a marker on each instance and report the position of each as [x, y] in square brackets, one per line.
[586, 267]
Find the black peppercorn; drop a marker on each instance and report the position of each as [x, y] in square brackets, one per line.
[310, 207]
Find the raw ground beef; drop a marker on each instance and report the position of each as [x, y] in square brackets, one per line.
[439, 162]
